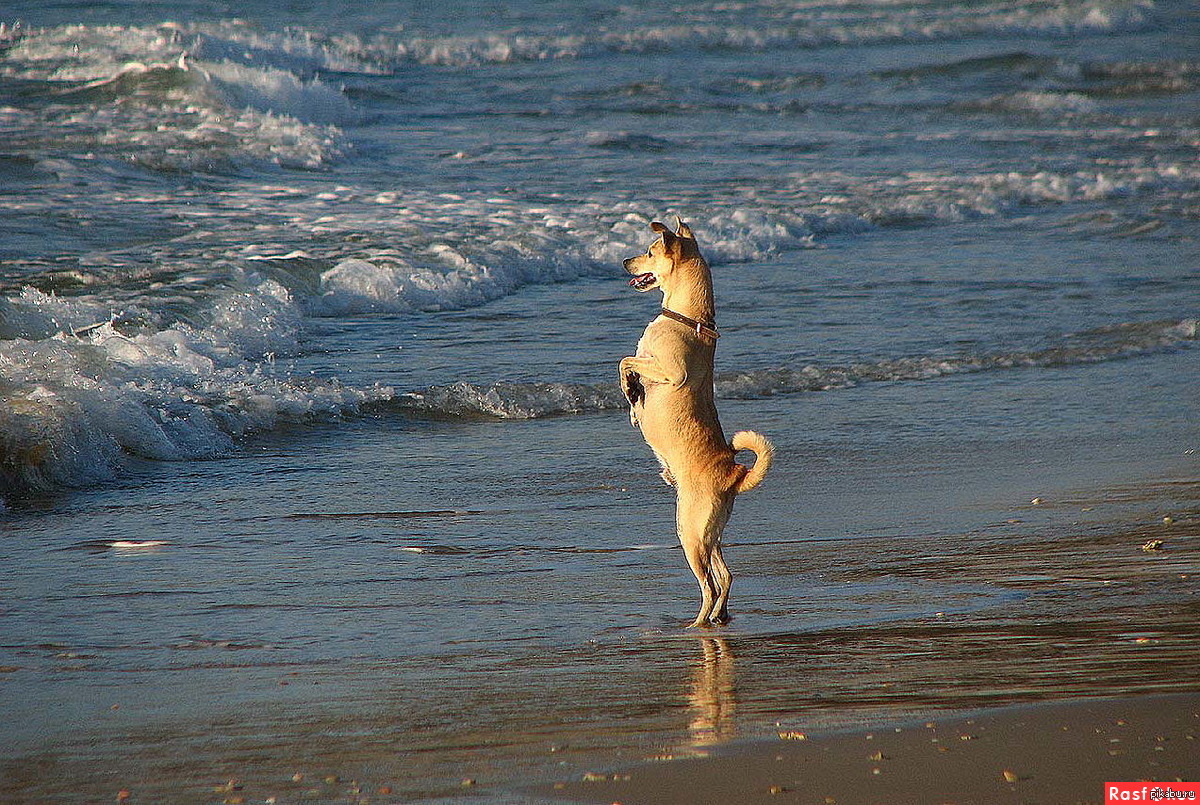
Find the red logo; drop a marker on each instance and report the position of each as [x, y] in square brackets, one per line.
[1151, 792]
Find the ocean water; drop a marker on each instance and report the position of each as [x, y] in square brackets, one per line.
[312, 459]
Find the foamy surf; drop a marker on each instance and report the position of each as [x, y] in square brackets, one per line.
[536, 400]
[79, 398]
[176, 348]
[749, 27]
[151, 95]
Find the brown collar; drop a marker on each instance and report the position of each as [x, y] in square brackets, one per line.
[705, 328]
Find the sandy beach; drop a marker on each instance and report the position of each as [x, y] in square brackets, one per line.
[1047, 753]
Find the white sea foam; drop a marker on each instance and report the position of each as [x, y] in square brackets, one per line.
[753, 26]
[441, 251]
[279, 92]
[74, 404]
[144, 92]
[1037, 103]
[86, 381]
[85, 53]
[534, 400]
[512, 400]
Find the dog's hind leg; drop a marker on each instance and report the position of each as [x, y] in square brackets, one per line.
[698, 559]
[722, 579]
[700, 519]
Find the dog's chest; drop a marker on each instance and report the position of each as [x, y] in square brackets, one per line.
[643, 344]
[659, 337]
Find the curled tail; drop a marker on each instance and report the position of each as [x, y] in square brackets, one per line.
[749, 440]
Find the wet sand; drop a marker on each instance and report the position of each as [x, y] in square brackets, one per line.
[1082, 693]
[1071, 598]
[1048, 753]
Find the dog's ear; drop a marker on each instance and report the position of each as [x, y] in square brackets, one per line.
[685, 231]
[669, 239]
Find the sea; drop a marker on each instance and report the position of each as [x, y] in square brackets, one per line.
[316, 484]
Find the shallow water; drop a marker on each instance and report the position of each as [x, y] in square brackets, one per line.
[316, 611]
[312, 459]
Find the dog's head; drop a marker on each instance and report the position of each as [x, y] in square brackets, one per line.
[654, 269]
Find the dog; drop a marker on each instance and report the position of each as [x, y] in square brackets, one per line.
[669, 386]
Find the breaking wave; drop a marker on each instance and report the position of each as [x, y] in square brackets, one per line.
[510, 400]
[173, 97]
[748, 26]
[78, 400]
[536, 400]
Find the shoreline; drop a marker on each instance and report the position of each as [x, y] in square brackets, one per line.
[1012, 735]
[1085, 599]
[1059, 751]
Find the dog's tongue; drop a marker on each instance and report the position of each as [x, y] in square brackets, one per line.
[641, 279]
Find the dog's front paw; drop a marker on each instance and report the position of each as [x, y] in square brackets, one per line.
[631, 385]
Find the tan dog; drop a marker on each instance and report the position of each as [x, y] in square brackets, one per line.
[669, 385]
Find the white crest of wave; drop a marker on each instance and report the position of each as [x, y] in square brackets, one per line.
[1038, 102]
[437, 251]
[156, 94]
[77, 53]
[464, 251]
[512, 400]
[752, 25]
[279, 92]
[75, 402]
[533, 400]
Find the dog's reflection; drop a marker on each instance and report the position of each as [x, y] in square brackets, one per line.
[711, 699]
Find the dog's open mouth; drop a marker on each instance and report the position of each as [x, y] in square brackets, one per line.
[643, 281]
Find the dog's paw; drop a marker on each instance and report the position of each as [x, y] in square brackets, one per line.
[631, 384]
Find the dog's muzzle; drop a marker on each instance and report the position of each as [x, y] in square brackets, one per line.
[643, 281]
